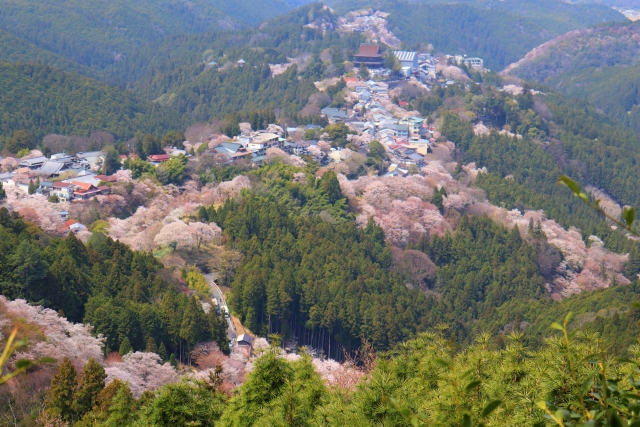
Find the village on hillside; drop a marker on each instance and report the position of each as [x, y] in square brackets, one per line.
[371, 112]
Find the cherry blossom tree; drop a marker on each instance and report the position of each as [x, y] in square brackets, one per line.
[204, 233]
[60, 338]
[8, 164]
[177, 232]
[143, 371]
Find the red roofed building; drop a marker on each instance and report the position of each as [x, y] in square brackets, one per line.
[68, 223]
[85, 190]
[82, 185]
[159, 158]
[369, 55]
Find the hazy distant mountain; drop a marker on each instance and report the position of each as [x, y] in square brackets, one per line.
[631, 4]
[599, 64]
[98, 33]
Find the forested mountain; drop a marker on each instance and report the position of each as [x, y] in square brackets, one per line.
[16, 49]
[119, 291]
[501, 32]
[45, 100]
[598, 64]
[97, 35]
[200, 75]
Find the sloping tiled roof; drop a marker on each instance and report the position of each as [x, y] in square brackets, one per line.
[368, 50]
[50, 167]
[159, 157]
[82, 185]
[33, 161]
[61, 185]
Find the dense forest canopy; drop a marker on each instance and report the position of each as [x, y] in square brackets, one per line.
[46, 100]
[96, 36]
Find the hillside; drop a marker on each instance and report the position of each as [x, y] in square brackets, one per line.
[96, 35]
[597, 64]
[236, 258]
[626, 4]
[200, 76]
[45, 100]
[15, 49]
[499, 31]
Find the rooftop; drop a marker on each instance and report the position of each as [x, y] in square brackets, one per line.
[369, 50]
[51, 167]
[404, 55]
[33, 161]
[62, 185]
[264, 137]
[88, 154]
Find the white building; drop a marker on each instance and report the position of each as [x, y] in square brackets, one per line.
[475, 63]
[408, 61]
[262, 141]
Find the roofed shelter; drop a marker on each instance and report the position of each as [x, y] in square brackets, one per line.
[369, 55]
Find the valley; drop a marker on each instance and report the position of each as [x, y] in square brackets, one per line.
[309, 214]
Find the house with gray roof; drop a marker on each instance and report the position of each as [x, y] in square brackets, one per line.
[52, 168]
[335, 114]
[34, 163]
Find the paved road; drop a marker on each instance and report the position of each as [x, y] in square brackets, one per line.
[217, 294]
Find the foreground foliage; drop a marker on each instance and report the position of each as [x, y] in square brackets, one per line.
[572, 380]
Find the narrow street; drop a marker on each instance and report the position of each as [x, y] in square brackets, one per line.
[216, 293]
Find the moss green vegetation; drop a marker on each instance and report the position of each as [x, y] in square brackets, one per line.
[45, 100]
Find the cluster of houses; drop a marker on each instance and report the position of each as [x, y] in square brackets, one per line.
[420, 65]
[407, 140]
[251, 146]
[64, 176]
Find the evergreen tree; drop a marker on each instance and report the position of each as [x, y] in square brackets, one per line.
[437, 198]
[162, 352]
[218, 328]
[121, 408]
[331, 186]
[192, 321]
[203, 216]
[111, 160]
[3, 193]
[91, 383]
[61, 394]
[172, 360]
[32, 187]
[185, 404]
[151, 346]
[29, 268]
[267, 381]
[106, 395]
[632, 267]
[125, 347]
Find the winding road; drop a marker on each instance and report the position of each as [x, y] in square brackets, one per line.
[222, 304]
